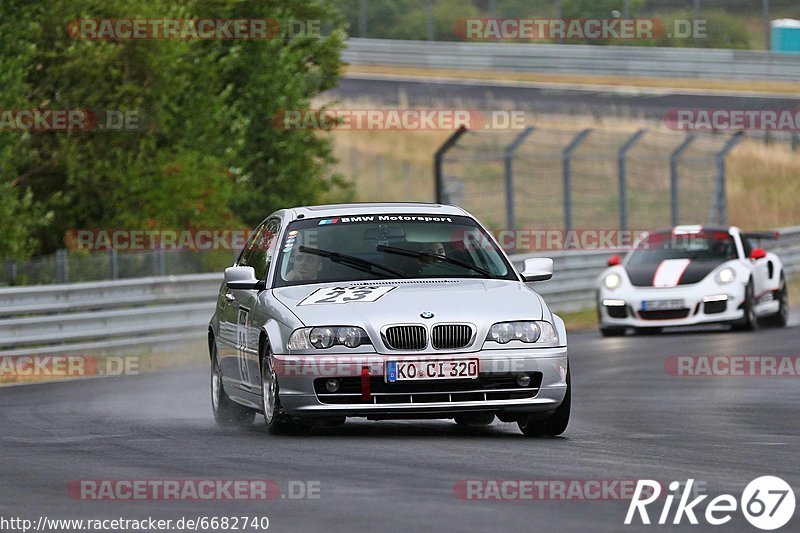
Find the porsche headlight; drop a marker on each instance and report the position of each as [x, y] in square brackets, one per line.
[726, 275]
[528, 332]
[612, 281]
[327, 336]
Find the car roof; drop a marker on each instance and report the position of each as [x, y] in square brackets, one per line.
[317, 211]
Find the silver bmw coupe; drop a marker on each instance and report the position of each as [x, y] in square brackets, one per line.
[385, 311]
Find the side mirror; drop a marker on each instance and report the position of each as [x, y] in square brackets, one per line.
[758, 253]
[614, 260]
[241, 277]
[538, 269]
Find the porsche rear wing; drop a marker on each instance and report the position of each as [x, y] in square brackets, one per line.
[759, 235]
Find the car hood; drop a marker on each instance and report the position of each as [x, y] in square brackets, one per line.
[479, 302]
[670, 273]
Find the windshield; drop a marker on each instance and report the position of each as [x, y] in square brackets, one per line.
[713, 246]
[387, 246]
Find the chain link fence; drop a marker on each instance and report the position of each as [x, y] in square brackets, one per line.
[73, 266]
[582, 178]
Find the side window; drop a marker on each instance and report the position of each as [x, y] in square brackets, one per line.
[259, 250]
[747, 246]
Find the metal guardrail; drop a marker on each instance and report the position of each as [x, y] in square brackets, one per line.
[132, 314]
[634, 61]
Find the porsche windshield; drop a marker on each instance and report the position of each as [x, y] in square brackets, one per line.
[704, 246]
[387, 246]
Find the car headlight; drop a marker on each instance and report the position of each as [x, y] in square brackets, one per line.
[612, 281]
[528, 332]
[726, 275]
[327, 336]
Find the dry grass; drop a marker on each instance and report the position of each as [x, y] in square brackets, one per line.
[567, 79]
[763, 186]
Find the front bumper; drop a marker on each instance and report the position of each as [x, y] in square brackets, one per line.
[703, 304]
[547, 366]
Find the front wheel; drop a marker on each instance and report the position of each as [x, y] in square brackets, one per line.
[477, 419]
[612, 332]
[276, 419]
[555, 424]
[226, 411]
[781, 318]
[749, 322]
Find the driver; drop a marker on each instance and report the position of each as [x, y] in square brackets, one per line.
[304, 267]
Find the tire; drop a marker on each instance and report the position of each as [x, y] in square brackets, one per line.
[275, 418]
[749, 322]
[226, 411]
[555, 424]
[612, 332]
[781, 318]
[477, 419]
[649, 331]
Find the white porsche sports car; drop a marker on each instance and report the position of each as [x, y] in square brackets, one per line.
[691, 275]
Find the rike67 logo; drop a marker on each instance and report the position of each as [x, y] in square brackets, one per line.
[767, 502]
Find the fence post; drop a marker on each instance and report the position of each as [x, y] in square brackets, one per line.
[623, 186]
[438, 159]
[566, 160]
[114, 260]
[795, 141]
[673, 177]
[508, 171]
[720, 207]
[62, 266]
[162, 261]
[407, 180]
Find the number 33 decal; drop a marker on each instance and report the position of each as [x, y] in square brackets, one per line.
[343, 295]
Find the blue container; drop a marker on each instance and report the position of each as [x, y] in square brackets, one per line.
[786, 36]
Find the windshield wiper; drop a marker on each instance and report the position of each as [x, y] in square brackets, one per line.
[413, 253]
[350, 260]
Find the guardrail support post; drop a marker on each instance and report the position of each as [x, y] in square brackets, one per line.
[566, 161]
[623, 186]
[438, 159]
[114, 261]
[673, 177]
[62, 266]
[508, 171]
[719, 210]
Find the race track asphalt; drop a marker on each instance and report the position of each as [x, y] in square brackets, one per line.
[631, 420]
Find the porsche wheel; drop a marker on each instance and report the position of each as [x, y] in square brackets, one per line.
[749, 322]
[781, 318]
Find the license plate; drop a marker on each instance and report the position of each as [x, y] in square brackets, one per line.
[424, 370]
[662, 305]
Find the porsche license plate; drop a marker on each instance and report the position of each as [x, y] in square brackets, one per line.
[408, 370]
[662, 305]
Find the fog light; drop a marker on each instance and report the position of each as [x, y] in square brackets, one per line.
[332, 385]
[523, 380]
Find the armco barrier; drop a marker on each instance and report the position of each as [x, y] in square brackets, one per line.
[72, 318]
[633, 61]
